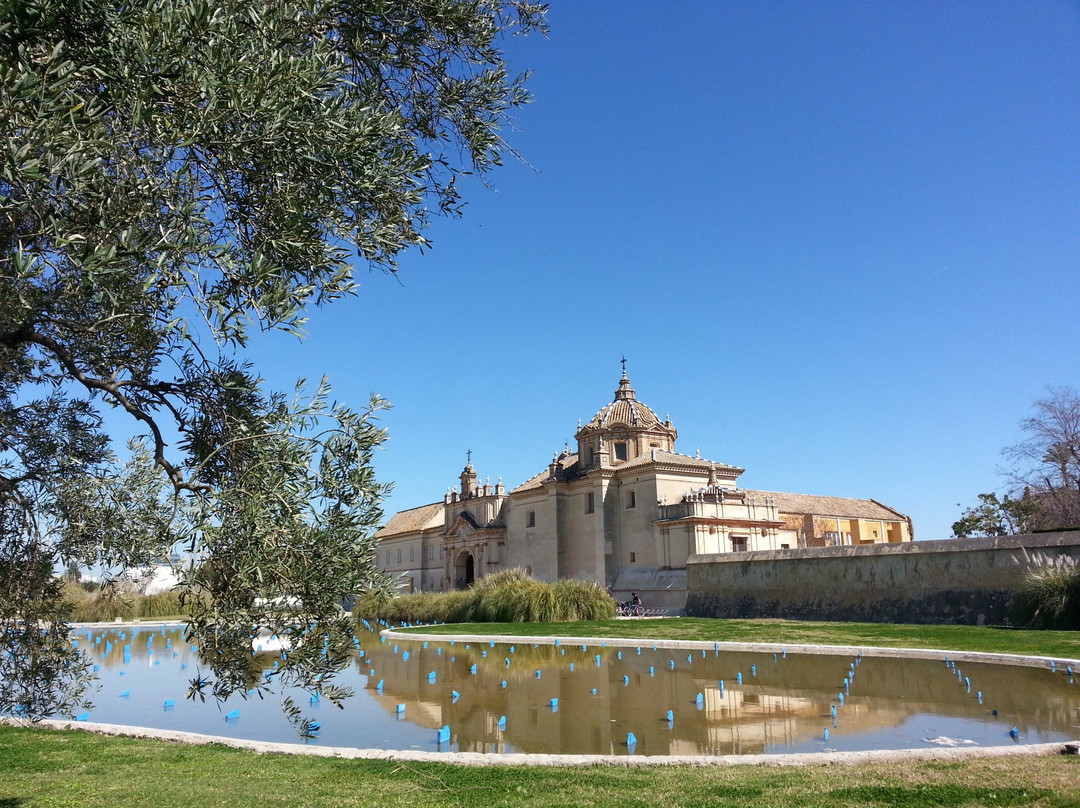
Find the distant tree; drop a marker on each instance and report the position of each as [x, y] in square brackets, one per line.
[1044, 475]
[1047, 464]
[174, 173]
[995, 517]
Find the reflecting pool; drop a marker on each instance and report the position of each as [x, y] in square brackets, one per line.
[570, 698]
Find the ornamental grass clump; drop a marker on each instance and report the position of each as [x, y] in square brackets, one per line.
[160, 604]
[111, 602]
[506, 597]
[584, 600]
[106, 604]
[452, 607]
[509, 596]
[1049, 597]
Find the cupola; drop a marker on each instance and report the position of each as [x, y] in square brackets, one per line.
[623, 430]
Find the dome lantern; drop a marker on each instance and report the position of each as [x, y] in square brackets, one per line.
[624, 429]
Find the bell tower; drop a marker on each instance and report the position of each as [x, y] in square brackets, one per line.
[468, 479]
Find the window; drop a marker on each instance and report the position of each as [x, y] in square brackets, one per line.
[633, 557]
[399, 556]
[785, 546]
[431, 554]
[631, 499]
[589, 502]
[738, 544]
[589, 456]
[412, 554]
[530, 520]
[442, 553]
[620, 451]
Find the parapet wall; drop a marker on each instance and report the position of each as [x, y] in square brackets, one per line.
[971, 581]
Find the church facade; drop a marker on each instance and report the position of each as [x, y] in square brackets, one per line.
[625, 510]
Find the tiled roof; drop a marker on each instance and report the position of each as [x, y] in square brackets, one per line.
[412, 520]
[843, 507]
[531, 483]
[567, 464]
[627, 411]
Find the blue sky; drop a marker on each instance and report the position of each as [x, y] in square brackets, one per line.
[836, 241]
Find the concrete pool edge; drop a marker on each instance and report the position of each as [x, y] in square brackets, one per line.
[1021, 660]
[483, 759]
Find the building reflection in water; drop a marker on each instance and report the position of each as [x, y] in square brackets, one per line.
[783, 704]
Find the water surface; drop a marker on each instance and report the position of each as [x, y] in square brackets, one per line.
[575, 699]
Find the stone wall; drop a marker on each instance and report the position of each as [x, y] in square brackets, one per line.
[969, 581]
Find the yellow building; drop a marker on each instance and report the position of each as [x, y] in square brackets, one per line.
[625, 510]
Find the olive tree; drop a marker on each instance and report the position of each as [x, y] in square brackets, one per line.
[174, 174]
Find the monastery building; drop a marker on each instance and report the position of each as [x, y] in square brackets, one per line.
[625, 510]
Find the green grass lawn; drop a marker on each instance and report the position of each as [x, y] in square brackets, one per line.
[40, 768]
[1063, 644]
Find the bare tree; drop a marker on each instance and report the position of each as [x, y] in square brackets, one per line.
[1046, 466]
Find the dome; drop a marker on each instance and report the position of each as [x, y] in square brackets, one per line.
[625, 409]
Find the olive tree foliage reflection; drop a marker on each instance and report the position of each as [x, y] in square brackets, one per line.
[173, 175]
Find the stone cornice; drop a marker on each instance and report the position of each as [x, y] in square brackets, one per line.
[476, 537]
[727, 472]
[712, 520]
[620, 426]
[654, 466]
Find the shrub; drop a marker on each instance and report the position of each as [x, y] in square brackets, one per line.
[1049, 597]
[506, 597]
[372, 603]
[586, 600]
[509, 596]
[455, 607]
[107, 603]
[160, 604]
